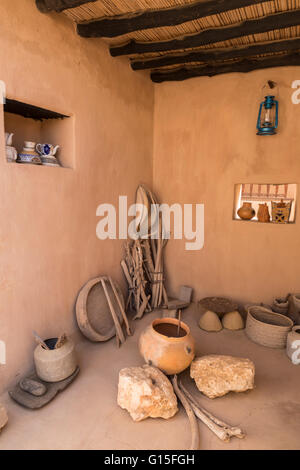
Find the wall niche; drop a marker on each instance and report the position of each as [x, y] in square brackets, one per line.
[40, 125]
[265, 203]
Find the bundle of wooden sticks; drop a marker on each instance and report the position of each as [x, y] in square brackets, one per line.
[193, 410]
[143, 261]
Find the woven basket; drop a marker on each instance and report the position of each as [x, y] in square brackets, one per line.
[294, 308]
[281, 305]
[281, 215]
[267, 328]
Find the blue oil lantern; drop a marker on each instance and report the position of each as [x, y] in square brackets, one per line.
[267, 120]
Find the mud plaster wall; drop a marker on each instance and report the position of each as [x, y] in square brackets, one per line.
[48, 244]
[205, 142]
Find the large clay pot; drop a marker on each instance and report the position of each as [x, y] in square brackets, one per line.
[54, 365]
[161, 347]
[246, 212]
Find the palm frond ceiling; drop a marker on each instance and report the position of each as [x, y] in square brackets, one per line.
[179, 39]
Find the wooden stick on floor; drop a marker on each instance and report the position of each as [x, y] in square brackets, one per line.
[119, 332]
[120, 306]
[191, 415]
[222, 430]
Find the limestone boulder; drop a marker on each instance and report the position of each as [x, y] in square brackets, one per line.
[145, 392]
[3, 417]
[217, 375]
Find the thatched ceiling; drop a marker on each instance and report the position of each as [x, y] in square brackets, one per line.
[178, 39]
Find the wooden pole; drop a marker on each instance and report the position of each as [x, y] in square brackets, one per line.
[208, 36]
[212, 55]
[112, 26]
[46, 6]
[243, 66]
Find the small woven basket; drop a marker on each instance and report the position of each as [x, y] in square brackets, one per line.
[281, 215]
[281, 305]
[267, 328]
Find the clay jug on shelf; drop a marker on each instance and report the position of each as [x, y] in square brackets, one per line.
[246, 212]
[263, 214]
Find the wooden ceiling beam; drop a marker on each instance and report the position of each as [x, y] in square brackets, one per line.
[207, 55]
[212, 35]
[243, 66]
[113, 26]
[46, 6]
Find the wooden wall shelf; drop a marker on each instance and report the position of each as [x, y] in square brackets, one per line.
[30, 111]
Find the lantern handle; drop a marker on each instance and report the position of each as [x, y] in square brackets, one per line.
[276, 118]
[259, 114]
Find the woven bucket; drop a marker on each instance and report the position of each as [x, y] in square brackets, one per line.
[281, 305]
[294, 308]
[267, 328]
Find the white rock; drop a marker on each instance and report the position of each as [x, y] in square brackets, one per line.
[217, 375]
[146, 392]
[3, 417]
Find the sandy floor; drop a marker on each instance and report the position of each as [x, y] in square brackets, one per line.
[86, 416]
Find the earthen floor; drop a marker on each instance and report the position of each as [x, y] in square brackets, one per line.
[86, 415]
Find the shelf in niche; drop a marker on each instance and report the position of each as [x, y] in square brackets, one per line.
[263, 223]
[37, 124]
[267, 194]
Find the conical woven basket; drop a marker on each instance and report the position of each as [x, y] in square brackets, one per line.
[267, 328]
